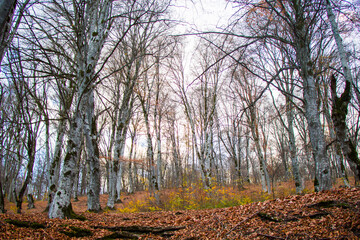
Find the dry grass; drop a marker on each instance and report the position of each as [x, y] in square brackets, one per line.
[188, 198]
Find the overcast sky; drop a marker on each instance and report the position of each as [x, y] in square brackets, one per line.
[200, 15]
[203, 14]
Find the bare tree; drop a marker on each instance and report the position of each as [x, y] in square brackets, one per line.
[299, 30]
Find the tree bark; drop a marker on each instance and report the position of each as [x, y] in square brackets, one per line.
[301, 40]
[30, 199]
[123, 120]
[339, 113]
[7, 9]
[93, 25]
[2, 199]
[61, 204]
[340, 46]
[31, 148]
[92, 150]
[265, 179]
[54, 168]
[299, 186]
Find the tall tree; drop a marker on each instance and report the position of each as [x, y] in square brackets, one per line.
[93, 22]
[298, 25]
[248, 92]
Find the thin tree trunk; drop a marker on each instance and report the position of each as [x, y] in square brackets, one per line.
[31, 148]
[130, 167]
[247, 159]
[54, 168]
[292, 146]
[265, 179]
[123, 120]
[2, 199]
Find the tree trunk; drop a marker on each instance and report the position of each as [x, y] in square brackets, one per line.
[113, 169]
[93, 21]
[7, 9]
[265, 179]
[131, 170]
[339, 43]
[119, 179]
[61, 204]
[336, 147]
[247, 159]
[339, 113]
[123, 120]
[92, 151]
[150, 156]
[303, 57]
[31, 149]
[30, 200]
[317, 138]
[2, 199]
[292, 144]
[54, 168]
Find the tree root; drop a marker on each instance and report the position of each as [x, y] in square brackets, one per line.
[135, 232]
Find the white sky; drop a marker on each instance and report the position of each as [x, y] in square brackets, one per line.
[203, 14]
[199, 15]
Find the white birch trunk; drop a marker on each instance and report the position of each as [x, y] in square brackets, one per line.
[90, 39]
[158, 159]
[119, 180]
[92, 150]
[131, 179]
[61, 205]
[339, 43]
[247, 159]
[345, 142]
[293, 152]
[112, 184]
[292, 143]
[123, 119]
[317, 138]
[265, 179]
[54, 167]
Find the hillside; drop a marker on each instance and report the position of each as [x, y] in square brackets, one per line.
[327, 215]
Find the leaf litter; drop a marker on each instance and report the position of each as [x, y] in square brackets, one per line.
[326, 215]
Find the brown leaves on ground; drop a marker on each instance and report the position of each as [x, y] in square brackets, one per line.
[326, 215]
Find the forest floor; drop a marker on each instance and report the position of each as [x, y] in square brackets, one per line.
[331, 214]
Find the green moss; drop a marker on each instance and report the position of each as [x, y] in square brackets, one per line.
[77, 232]
[119, 235]
[69, 213]
[331, 203]
[27, 224]
[316, 184]
[67, 173]
[266, 216]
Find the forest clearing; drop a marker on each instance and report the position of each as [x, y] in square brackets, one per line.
[333, 214]
[179, 119]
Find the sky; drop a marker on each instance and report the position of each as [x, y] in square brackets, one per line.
[203, 14]
[198, 16]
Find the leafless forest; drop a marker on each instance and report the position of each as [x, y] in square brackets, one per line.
[110, 96]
